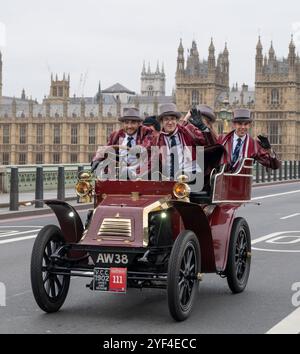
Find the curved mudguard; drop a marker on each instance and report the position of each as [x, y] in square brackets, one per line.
[68, 218]
[221, 222]
[194, 219]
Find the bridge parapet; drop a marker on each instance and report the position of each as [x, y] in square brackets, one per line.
[27, 176]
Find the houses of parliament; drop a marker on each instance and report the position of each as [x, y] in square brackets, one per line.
[68, 129]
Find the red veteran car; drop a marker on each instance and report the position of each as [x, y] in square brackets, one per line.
[147, 234]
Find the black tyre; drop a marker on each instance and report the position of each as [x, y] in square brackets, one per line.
[184, 266]
[49, 290]
[239, 256]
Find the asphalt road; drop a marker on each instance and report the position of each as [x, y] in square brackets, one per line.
[266, 301]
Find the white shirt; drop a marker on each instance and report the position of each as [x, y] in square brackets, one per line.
[185, 161]
[235, 142]
[179, 150]
[169, 141]
[128, 159]
[126, 139]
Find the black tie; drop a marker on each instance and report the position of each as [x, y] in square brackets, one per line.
[236, 152]
[172, 158]
[129, 141]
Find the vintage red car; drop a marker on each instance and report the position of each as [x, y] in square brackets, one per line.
[147, 234]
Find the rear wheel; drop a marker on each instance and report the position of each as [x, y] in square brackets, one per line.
[49, 290]
[184, 266]
[239, 256]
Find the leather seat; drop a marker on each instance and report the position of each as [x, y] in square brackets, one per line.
[202, 197]
[212, 158]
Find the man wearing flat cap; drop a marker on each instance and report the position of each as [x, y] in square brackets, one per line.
[177, 137]
[133, 133]
[239, 144]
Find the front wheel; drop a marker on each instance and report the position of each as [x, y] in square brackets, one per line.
[239, 256]
[49, 290]
[183, 269]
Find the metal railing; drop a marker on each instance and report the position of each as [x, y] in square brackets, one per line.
[289, 170]
[39, 186]
[27, 176]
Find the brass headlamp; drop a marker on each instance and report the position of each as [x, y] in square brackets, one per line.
[181, 189]
[84, 187]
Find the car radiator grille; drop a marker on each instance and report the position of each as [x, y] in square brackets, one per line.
[115, 227]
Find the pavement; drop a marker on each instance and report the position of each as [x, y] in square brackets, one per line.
[27, 206]
[270, 304]
[30, 196]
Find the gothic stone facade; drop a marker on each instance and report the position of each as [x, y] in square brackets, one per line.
[65, 129]
[201, 82]
[153, 83]
[277, 100]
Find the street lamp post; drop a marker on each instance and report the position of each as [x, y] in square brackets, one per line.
[225, 115]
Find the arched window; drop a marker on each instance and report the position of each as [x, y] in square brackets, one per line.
[150, 90]
[274, 132]
[275, 96]
[109, 130]
[74, 134]
[60, 91]
[195, 97]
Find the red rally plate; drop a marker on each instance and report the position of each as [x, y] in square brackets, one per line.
[118, 280]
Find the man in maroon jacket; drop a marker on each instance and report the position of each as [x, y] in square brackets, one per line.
[179, 141]
[132, 134]
[239, 144]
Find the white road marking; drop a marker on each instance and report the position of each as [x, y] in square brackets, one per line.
[17, 239]
[290, 216]
[17, 233]
[276, 251]
[31, 217]
[270, 236]
[25, 226]
[264, 238]
[20, 294]
[7, 233]
[289, 325]
[22, 218]
[278, 240]
[276, 195]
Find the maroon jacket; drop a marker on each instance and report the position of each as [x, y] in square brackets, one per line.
[251, 149]
[145, 137]
[189, 136]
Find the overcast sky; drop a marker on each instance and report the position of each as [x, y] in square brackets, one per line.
[108, 40]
